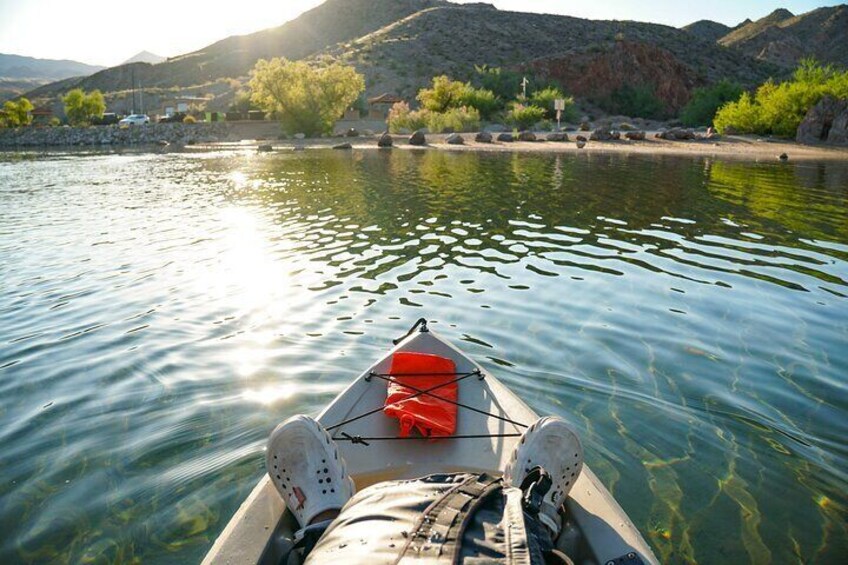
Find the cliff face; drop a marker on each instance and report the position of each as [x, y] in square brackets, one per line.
[597, 75]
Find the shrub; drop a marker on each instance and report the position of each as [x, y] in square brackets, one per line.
[449, 94]
[705, 102]
[636, 101]
[779, 108]
[455, 119]
[401, 118]
[742, 116]
[189, 120]
[546, 99]
[525, 116]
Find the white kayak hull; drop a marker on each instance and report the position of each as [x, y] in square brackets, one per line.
[597, 529]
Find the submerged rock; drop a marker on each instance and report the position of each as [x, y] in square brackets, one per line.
[418, 139]
[343, 146]
[385, 140]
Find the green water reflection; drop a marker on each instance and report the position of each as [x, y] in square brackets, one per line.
[687, 315]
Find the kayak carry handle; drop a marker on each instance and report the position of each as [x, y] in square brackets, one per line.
[422, 322]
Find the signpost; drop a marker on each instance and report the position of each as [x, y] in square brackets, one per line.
[559, 106]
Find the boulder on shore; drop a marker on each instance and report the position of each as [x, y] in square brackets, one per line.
[601, 134]
[418, 139]
[826, 122]
[352, 132]
[635, 135]
[455, 139]
[581, 143]
[483, 137]
[385, 140]
[506, 137]
[343, 146]
[265, 148]
[526, 136]
[678, 134]
[557, 136]
[581, 138]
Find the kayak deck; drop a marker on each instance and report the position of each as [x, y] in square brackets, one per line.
[595, 529]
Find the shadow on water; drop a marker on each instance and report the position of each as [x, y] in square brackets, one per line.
[687, 315]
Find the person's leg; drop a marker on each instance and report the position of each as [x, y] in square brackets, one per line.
[304, 464]
[551, 444]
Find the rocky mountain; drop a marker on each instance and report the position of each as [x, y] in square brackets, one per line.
[708, 30]
[399, 45]
[453, 39]
[19, 74]
[145, 57]
[783, 38]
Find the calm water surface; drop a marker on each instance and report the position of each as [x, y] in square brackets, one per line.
[159, 314]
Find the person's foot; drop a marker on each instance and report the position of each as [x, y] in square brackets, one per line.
[551, 444]
[305, 466]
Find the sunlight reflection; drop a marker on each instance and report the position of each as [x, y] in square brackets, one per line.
[286, 391]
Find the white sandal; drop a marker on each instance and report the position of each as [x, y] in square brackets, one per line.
[305, 466]
[550, 443]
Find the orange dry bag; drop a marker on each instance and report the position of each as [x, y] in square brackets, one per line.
[432, 416]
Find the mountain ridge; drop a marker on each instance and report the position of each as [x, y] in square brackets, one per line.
[399, 45]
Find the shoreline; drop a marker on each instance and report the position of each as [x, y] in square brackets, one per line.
[731, 147]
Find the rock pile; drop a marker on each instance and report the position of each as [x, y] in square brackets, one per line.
[152, 134]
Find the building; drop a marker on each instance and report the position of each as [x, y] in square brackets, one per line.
[182, 104]
[379, 106]
[41, 116]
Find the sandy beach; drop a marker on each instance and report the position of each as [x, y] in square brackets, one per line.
[729, 147]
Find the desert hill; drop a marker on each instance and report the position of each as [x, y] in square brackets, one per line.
[783, 38]
[399, 45]
[19, 74]
[708, 30]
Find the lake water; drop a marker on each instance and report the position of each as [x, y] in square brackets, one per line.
[160, 313]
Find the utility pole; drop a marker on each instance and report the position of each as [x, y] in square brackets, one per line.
[132, 89]
[524, 83]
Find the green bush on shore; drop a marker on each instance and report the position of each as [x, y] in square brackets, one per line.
[705, 102]
[778, 109]
[525, 116]
[454, 119]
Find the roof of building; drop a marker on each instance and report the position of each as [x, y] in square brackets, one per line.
[385, 98]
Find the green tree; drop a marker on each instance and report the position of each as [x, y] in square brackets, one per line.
[779, 108]
[506, 85]
[444, 94]
[705, 102]
[307, 100]
[82, 108]
[16, 114]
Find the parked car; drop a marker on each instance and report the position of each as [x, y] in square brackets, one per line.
[135, 120]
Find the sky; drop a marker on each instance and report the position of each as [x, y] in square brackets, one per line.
[105, 32]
